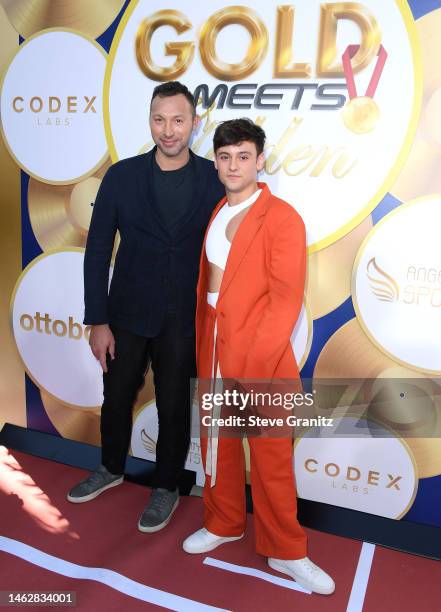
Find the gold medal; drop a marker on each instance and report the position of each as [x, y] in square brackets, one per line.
[361, 114]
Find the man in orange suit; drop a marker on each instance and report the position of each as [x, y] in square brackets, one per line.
[250, 293]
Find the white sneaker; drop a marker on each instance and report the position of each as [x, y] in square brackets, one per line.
[202, 541]
[306, 573]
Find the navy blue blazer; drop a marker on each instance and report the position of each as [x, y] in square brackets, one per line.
[149, 258]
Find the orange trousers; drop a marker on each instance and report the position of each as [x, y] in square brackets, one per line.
[277, 531]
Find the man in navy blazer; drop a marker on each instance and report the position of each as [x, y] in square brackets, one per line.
[160, 202]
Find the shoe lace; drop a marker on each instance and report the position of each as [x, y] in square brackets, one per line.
[309, 566]
[95, 478]
[159, 501]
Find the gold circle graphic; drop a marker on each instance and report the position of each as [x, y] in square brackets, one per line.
[406, 401]
[349, 354]
[329, 271]
[60, 214]
[72, 423]
[91, 18]
[420, 174]
[79, 207]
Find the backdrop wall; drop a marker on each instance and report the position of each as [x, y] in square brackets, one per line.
[353, 142]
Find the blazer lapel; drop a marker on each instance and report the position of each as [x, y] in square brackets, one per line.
[199, 181]
[244, 237]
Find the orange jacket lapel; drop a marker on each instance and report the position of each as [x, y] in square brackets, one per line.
[244, 236]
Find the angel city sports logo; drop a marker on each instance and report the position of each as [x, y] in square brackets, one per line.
[54, 110]
[423, 285]
[149, 443]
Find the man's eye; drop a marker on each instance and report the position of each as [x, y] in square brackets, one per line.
[244, 157]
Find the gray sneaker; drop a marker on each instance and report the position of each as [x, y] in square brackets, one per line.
[100, 480]
[159, 510]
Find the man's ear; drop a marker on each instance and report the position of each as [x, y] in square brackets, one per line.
[215, 162]
[260, 161]
[196, 123]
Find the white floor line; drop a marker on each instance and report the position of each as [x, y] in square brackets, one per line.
[114, 580]
[250, 571]
[361, 578]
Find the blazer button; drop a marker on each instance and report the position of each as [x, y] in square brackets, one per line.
[221, 340]
[222, 314]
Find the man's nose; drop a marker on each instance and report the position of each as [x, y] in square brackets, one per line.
[168, 128]
[233, 163]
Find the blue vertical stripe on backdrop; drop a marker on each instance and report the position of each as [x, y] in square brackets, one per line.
[36, 417]
[30, 248]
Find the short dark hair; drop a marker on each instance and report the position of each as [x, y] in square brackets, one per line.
[173, 88]
[235, 131]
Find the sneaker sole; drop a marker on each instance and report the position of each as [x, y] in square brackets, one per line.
[86, 498]
[304, 583]
[161, 525]
[212, 546]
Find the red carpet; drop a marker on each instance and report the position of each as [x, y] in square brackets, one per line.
[103, 534]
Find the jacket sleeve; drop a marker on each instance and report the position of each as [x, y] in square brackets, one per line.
[99, 247]
[286, 281]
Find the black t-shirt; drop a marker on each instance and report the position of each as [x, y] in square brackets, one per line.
[173, 200]
[173, 194]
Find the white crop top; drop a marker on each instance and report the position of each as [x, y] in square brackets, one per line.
[217, 245]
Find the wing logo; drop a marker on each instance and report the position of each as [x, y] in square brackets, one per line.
[148, 442]
[383, 286]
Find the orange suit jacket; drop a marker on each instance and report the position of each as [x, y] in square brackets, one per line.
[260, 297]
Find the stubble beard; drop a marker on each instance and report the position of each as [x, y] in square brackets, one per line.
[172, 153]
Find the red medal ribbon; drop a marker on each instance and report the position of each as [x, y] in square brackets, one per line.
[349, 73]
